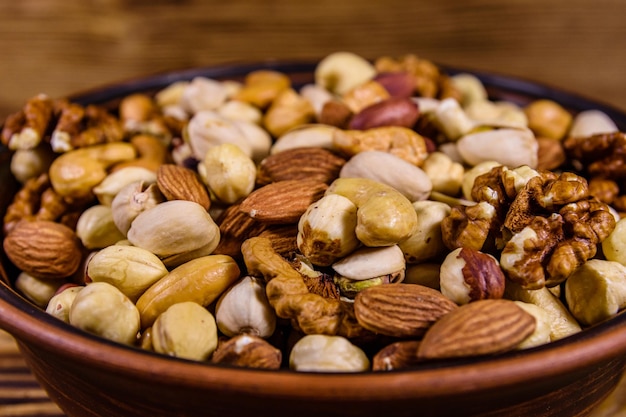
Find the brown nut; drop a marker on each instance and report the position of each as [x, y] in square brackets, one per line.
[400, 310]
[398, 84]
[479, 328]
[548, 118]
[390, 112]
[180, 183]
[398, 355]
[44, 249]
[247, 351]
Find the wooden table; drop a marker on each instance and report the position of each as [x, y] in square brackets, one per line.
[21, 395]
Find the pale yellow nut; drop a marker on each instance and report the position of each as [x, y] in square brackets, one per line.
[326, 231]
[60, 304]
[201, 280]
[287, 111]
[114, 182]
[541, 335]
[562, 323]
[37, 290]
[317, 96]
[321, 353]
[410, 180]
[446, 176]
[471, 174]
[208, 128]
[185, 330]
[596, 291]
[131, 200]
[30, 163]
[507, 146]
[96, 228]
[310, 135]
[203, 94]
[171, 95]
[103, 310]
[451, 119]
[426, 241]
[490, 114]
[174, 227]
[366, 263]
[229, 173]
[244, 308]
[129, 268]
[614, 246]
[591, 122]
[75, 173]
[384, 216]
[548, 118]
[340, 72]
[471, 88]
[239, 110]
[258, 139]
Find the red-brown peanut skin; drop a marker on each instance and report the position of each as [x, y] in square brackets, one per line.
[391, 112]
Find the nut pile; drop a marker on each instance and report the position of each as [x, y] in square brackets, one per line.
[385, 215]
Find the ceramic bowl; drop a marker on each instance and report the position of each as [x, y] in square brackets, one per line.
[88, 376]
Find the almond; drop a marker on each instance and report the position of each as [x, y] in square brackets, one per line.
[300, 163]
[235, 227]
[180, 183]
[397, 355]
[282, 202]
[400, 310]
[479, 328]
[44, 249]
[283, 238]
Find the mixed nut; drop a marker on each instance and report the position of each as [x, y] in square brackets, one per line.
[384, 215]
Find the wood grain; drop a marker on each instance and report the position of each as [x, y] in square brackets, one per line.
[60, 47]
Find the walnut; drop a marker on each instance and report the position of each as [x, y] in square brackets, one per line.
[600, 155]
[546, 224]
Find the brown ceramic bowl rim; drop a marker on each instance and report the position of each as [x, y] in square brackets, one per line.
[586, 349]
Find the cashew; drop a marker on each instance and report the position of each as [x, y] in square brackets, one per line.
[244, 308]
[340, 72]
[445, 175]
[75, 173]
[200, 280]
[471, 88]
[384, 216]
[426, 241]
[310, 135]
[541, 335]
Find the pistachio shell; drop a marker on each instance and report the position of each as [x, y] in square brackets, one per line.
[174, 227]
[368, 263]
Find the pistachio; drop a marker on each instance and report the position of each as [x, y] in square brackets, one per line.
[321, 353]
[185, 330]
[131, 200]
[405, 177]
[244, 308]
[117, 180]
[174, 227]
[368, 263]
[96, 228]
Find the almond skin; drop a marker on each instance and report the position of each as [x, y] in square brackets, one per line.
[481, 327]
[300, 163]
[180, 183]
[44, 249]
[400, 310]
[282, 202]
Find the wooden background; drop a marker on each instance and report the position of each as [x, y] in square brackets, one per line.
[62, 46]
